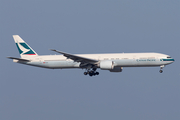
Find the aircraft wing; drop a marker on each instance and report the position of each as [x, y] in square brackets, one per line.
[25, 60]
[77, 58]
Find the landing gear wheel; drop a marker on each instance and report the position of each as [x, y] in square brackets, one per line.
[161, 71]
[90, 74]
[97, 73]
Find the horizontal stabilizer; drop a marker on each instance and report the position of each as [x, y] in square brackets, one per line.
[25, 60]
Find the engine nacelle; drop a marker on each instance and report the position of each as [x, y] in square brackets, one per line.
[106, 65]
[109, 65]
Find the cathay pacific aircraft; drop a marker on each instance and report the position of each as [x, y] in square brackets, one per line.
[90, 62]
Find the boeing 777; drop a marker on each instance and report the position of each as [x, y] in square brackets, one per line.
[90, 62]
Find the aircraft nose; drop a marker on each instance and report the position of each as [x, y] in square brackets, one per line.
[172, 60]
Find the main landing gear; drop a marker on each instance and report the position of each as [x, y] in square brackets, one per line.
[91, 72]
[161, 67]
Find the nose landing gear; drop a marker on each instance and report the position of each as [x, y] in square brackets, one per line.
[161, 67]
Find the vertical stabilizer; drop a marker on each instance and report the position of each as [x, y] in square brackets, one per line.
[24, 49]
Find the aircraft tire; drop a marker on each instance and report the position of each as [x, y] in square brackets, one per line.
[90, 74]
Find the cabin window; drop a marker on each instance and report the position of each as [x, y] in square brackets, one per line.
[124, 58]
[143, 58]
[168, 57]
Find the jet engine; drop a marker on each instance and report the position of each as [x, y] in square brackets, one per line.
[106, 65]
[109, 65]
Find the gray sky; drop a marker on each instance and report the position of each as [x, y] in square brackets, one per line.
[94, 26]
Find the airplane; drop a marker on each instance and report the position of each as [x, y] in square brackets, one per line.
[90, 62]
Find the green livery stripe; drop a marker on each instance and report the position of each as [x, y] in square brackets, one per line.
[167, 59]
[25, 46]
[20, 51]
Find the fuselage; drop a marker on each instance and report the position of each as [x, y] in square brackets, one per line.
[119, 60]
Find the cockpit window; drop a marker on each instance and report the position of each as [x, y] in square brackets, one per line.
[168, 57]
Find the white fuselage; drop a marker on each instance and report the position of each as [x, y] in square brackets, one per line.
[112, 62]
[119, 60]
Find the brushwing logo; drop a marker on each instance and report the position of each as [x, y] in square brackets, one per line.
[24, 49]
